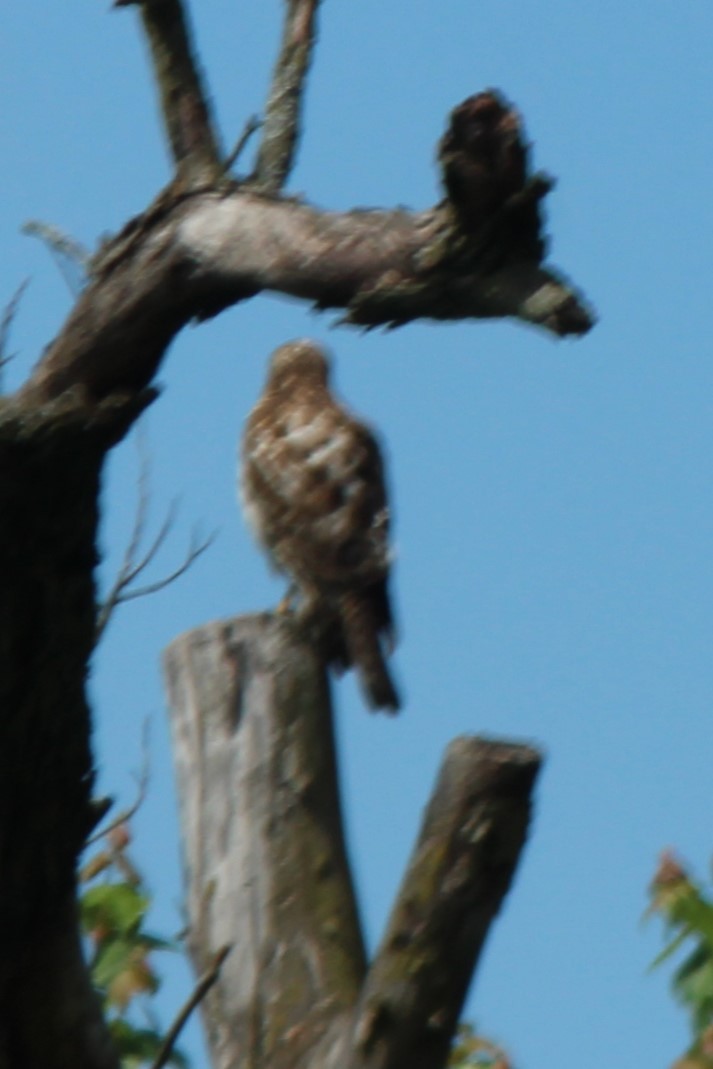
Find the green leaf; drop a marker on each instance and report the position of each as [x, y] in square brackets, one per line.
[120, 969]
[683, 904]
[113, 907]
[670, 949]
[698, 914]
[693, 985]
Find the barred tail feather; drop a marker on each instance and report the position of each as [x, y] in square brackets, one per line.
[362, 622]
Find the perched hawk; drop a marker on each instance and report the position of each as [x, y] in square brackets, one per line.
[313, 493]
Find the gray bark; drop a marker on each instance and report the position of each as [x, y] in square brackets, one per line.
[192, 255]
[265, 864]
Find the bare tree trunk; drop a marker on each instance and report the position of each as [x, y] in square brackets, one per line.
[267, 873]
[50, 464]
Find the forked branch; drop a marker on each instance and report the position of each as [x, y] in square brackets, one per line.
[136, 561]
[479, 253]
[267, 872]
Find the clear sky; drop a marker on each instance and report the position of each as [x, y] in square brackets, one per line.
[553, 501]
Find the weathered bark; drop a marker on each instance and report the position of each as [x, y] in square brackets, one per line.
[473, 832]
[50, 466]
[265, 863]
[478, 254]
[193, 255]
[267, 874]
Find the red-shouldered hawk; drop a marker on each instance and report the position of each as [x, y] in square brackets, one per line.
[313, 492]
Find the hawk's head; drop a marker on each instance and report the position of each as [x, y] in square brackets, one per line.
[299, 361]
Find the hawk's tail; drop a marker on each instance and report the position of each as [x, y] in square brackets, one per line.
[362, 622]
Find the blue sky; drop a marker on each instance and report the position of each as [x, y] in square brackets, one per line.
[553, 501]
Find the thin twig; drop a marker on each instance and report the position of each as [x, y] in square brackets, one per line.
[251, 126]
[8, 316]
[195, 549]
[284, 103]
[127, 566]
[69, 255]
[134, 565]
[142, 781]
[133, 568]
[199, 992]
[143, 498]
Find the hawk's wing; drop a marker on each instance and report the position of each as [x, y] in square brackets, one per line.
[313, 487]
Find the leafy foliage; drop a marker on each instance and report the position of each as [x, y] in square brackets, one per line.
[113, 910]
[687, 912]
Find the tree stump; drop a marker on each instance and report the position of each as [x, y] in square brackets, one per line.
[267, 872]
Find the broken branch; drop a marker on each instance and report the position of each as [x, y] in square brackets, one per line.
[472, 836]
[70, 256]
[193, 254]
[383, 268]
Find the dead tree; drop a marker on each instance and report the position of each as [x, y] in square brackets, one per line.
[250, 700]
[268, 875]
